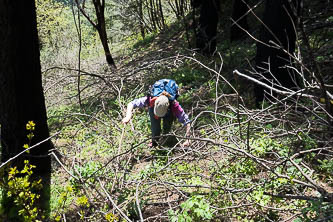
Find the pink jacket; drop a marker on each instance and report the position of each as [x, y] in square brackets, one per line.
[176, 108]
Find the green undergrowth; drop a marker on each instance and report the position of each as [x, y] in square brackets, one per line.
[243, 164]
[238, 166]
[208, 182]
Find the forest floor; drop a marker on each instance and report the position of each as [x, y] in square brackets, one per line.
[243, 164]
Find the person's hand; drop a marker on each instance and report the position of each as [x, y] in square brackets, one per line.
[128, 113]
[126, 119]
[186, 143]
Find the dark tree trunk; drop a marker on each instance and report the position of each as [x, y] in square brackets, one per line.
[152, 15]
[208, 21]
[279, 20]
[178, 10]
[239, 18]
[104, 40]
[161, 17]
[21, 92]
[141, 18]
[101, 28]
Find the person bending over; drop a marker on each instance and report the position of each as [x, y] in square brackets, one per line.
[160, 107]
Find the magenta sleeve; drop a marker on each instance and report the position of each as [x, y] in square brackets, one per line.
[178, 111]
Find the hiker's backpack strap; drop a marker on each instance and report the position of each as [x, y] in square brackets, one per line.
[172, 88]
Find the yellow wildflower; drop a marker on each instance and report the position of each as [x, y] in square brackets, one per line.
[30, 125]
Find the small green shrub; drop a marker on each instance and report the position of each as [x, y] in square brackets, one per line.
[23, 191]
[194, 209]
[326, 166]
[263, 145]
[59, 203]
[87, 172]
[317, 210]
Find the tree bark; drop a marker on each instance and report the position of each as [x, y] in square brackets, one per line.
[208, 21]
[279, 27]
[240, 18]
[21, 92]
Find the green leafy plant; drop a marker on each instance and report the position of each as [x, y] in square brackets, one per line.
[48, 19]
[88, 172]
[64, 198]
[110, 217]
[326, 166]
[264, 144]
[195, 208]
[23, 190]
[83, 202]
[317, 210]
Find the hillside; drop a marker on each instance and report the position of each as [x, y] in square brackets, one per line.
[244, 163]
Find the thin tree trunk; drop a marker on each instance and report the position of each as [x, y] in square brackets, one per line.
[101, 28]
[177, 9]
[151, 12]
[141, 18]
[78, 30]
[161, 14]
